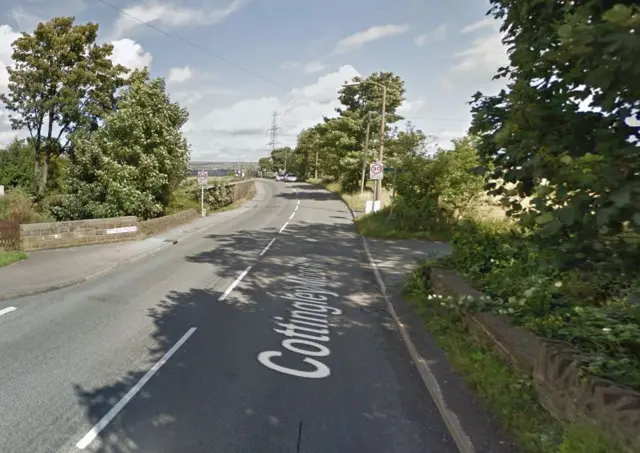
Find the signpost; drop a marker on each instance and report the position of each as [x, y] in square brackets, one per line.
[203, 180]
[376, 171]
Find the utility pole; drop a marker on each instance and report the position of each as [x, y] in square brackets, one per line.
[383, 126]
[365, 152]
[316, 167]
[378, 187]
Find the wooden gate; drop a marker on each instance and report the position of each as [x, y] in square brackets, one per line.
[9, 235]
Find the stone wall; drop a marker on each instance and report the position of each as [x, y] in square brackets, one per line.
[563, 389]
[37, 236]
[162, 224]
[40, 236]
[242, 189]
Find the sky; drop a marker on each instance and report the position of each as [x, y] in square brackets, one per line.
[233, 63]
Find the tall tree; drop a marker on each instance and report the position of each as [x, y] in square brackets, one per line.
[16, 165]
[279, 157]
[61, 80]
[563, 132]
[132, 164]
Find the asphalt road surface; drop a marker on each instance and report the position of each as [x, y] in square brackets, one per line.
[265, 333]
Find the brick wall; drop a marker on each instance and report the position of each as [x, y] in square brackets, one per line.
[37, 236]
[162, 224]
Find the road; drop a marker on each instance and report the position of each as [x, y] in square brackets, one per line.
[265, 333]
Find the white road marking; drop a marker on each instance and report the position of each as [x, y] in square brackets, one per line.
[296, 208]
[283, 227]
[264, 250]
[93, 433]
[235, 283]
[4, 311]
[292, 214]
[298, 202]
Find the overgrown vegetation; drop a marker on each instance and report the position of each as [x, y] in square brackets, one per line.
[506, 392]
[103, 141]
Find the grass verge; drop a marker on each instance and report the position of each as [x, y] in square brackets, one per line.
[7, 258]
[505, 391]
[379, 224]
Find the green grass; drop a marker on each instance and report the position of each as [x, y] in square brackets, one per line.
[7, 258]
[505, 391]
[379, 225]
[356, 201]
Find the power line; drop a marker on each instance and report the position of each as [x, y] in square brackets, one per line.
[191, 43]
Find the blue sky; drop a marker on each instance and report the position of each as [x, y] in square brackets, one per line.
[301, 52]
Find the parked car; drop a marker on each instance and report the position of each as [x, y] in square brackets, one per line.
[290, 177]
[279, 177]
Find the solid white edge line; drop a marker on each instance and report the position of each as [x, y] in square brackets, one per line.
[93, 433]
[292, 214]
[4, 311]
[451, 420]
[235, 283]
[264, 250]
[283, 227]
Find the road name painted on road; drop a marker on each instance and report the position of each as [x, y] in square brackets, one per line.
[307, 327]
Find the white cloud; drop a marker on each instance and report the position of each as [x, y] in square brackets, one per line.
[173, 16]
[487, 22]
[130, 54]
[357, 40]
[437, 34]
[7, 36]
[485, 54]
[314, 66]
[179, 75]
[224, 133]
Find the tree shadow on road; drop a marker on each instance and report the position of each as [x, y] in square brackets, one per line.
[213, 395]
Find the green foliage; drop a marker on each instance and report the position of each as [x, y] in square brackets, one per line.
[506, 392]
[592, 311]
[580, 166]
[61, 82]
[18, 204]
[17, 163]
[434, 193]
[134, 162]
[336, 144]
[265, 164]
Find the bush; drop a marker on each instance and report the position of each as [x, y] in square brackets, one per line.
[594, 312]
[18, 205]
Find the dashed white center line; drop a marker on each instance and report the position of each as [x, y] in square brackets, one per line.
[298, 202]
[296, 208]
[4, 311]
[264, 250]
[283, 227]
[292, 214]
[235, 283]
[93, 433]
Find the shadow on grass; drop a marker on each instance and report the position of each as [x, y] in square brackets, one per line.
[213, 395]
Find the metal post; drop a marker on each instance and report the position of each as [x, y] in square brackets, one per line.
[382, 134]
[202, 200]
[316, 169]
[365, 151]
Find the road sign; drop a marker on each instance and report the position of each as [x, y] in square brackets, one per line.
[376, 171]
[203, 177]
